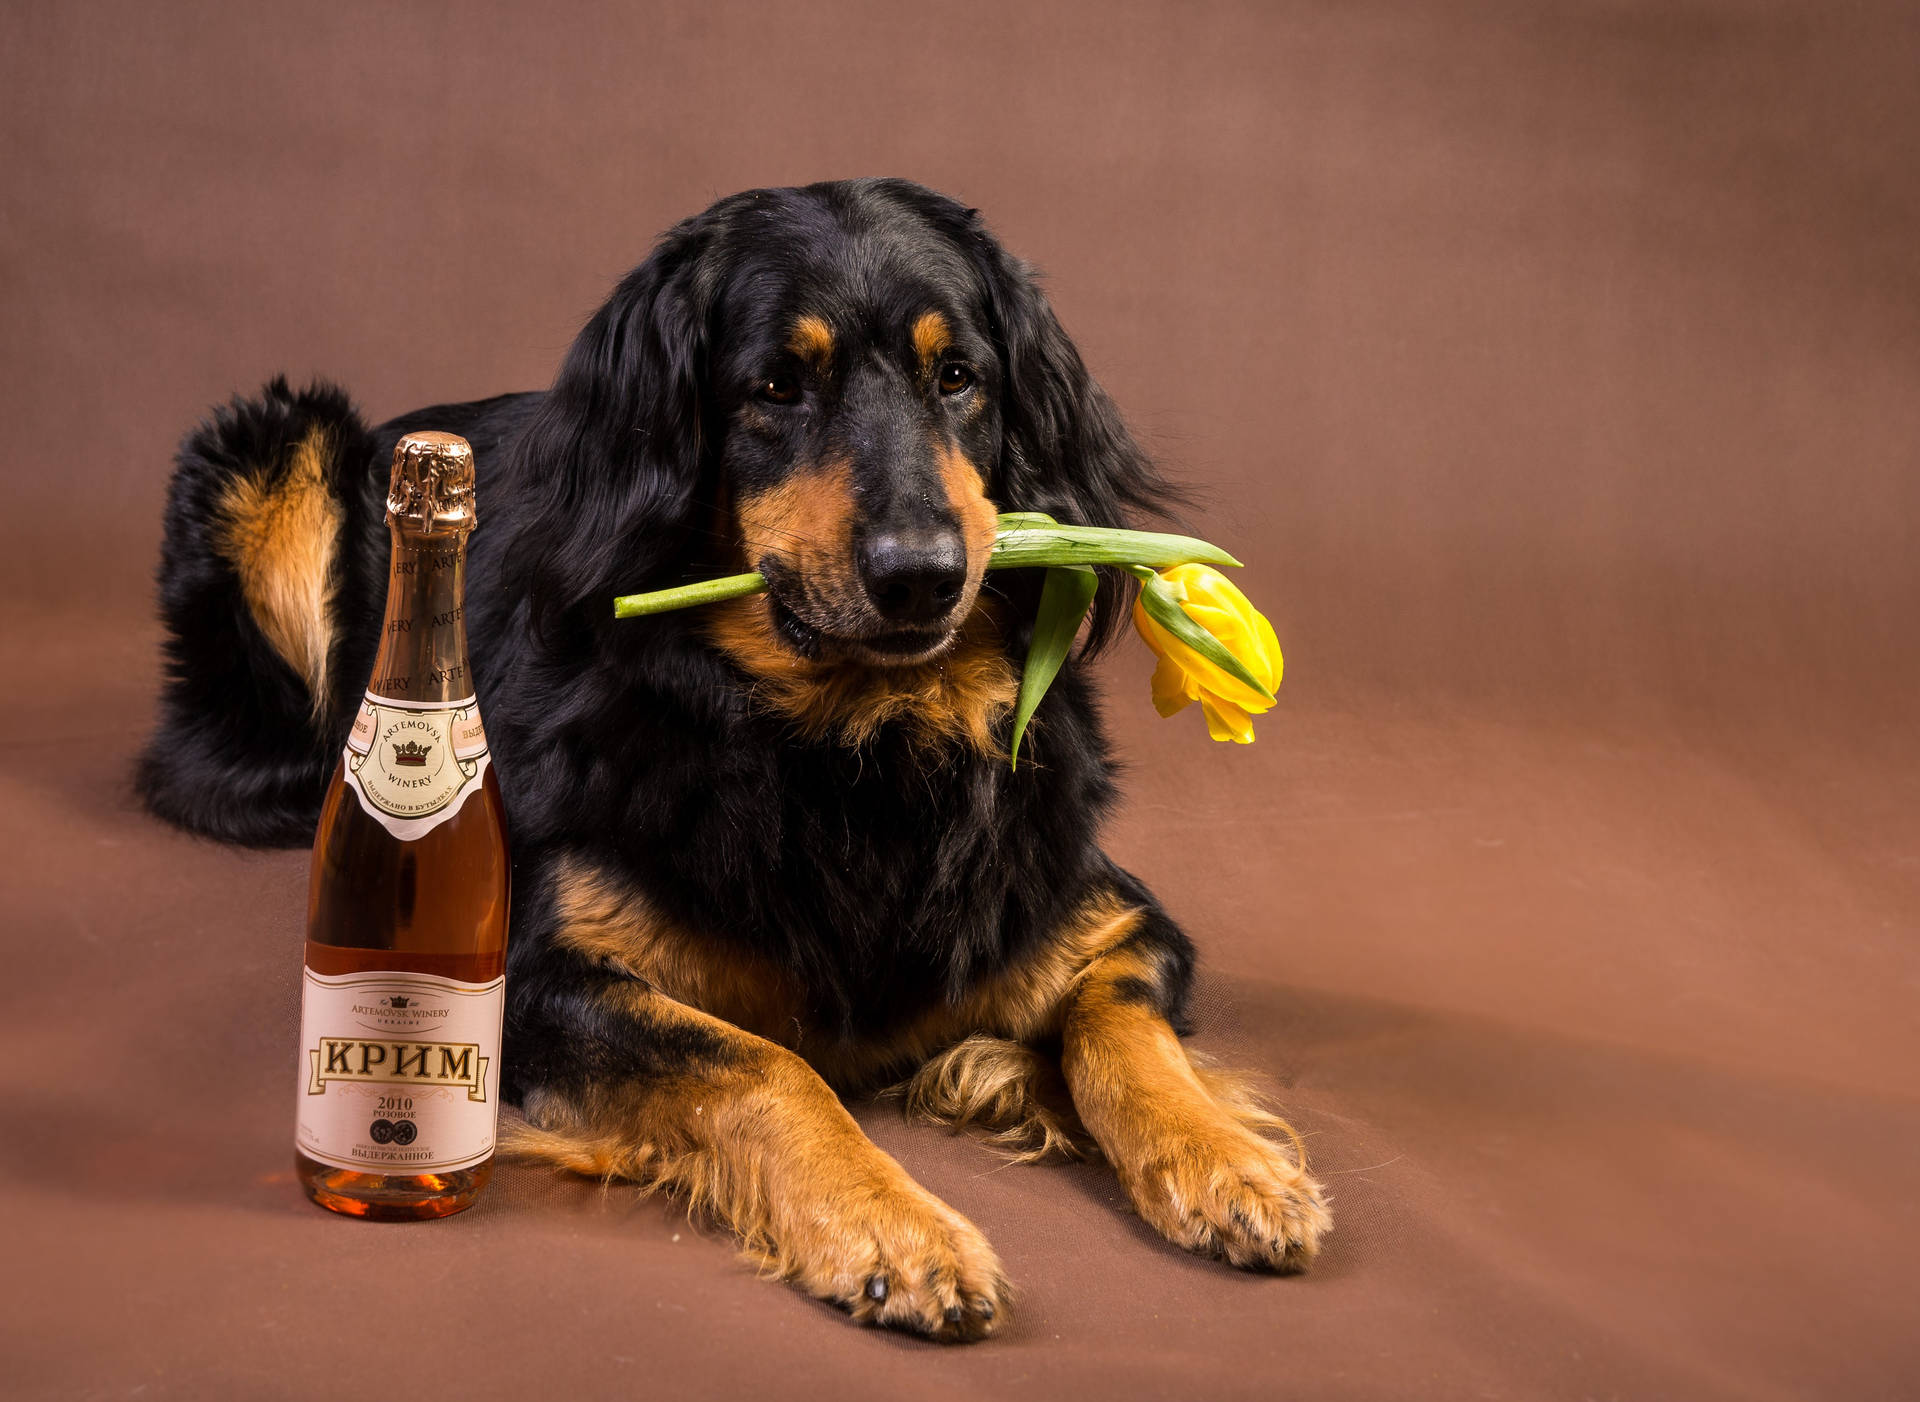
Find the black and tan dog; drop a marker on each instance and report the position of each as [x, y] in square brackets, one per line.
[769, 851]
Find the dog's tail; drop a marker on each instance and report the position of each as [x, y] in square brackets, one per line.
[270, 564]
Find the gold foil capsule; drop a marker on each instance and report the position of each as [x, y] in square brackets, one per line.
[432, 485]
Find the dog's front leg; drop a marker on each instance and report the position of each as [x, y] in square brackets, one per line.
[1193, 1166]
[627, 1082]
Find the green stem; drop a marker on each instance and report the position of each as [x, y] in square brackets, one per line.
[1025, 540]
[707, 591]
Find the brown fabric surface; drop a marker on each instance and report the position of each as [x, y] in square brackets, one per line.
[1553, 366]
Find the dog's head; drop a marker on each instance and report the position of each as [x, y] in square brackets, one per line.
[838, 386]
[855, 394]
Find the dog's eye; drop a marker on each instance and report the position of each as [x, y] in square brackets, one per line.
[954, 378]
[779, 389]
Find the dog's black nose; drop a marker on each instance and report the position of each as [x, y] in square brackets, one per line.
[914, 576]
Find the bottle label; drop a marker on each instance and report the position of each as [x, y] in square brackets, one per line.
[414, 763]
[399, 1073]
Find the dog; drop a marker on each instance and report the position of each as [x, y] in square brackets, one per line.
[769, 852]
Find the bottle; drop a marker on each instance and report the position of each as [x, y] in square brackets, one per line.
[402, 992]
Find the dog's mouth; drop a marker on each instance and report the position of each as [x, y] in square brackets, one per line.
[900, 647]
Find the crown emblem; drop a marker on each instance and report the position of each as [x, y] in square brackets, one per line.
[412, 752]
[398, 1000]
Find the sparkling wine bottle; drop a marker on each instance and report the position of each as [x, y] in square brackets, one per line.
[407, 909]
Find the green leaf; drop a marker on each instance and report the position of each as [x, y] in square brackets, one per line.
[1064, 600]
[1025, 545]
[1012, 519]
[1162, 604]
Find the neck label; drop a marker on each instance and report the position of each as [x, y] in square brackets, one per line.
[412, 764]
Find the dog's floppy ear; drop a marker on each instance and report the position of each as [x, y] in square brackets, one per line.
[1065, 449]
[601, 486]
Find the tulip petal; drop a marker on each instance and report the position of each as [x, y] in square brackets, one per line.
[1270, 646]
[1173, 690]
[1226, 721]
[1238, 635]
[1208, 677]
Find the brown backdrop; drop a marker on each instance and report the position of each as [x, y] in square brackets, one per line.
[1553, 364]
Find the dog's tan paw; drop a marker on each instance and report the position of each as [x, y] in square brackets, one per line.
[899, 1257]
[1232, 1195]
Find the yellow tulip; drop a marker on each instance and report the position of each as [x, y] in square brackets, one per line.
[1185, 676]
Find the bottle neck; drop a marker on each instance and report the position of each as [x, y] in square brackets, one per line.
[423, 642]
